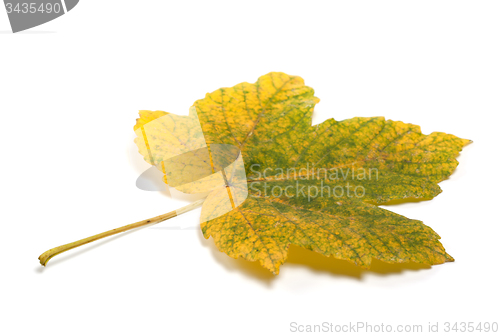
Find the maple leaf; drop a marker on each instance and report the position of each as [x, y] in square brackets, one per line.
[270, 122]
[317, 187]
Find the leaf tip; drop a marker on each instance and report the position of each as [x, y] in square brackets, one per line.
[466, 142]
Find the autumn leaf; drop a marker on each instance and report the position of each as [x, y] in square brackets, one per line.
[270, 122]
[276, 180]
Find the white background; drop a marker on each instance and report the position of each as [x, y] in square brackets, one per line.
[70, 91]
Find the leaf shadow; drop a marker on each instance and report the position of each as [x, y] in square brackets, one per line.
[299, 257]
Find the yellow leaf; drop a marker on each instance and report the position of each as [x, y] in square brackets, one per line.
[310, 186]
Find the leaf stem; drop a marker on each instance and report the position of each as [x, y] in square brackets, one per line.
[47, 255]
